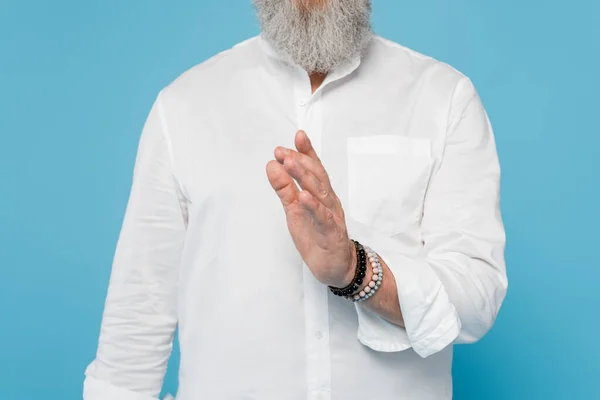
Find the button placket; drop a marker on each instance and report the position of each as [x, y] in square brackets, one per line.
[316, 304]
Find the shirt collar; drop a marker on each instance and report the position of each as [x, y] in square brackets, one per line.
[285, 61]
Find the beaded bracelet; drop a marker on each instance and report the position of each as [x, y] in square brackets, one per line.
[376, 278]
[359, 274]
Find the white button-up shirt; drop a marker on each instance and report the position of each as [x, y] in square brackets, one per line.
[205, 246]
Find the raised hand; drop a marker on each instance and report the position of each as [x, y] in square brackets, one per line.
[314, 213]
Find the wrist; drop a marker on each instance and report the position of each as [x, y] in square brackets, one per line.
[350, 268]
[350, 275]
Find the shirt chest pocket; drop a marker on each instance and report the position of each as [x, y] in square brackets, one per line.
[387, 179]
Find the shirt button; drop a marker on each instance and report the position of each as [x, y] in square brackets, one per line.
[319, 335]
[321, 396]
[302, 102]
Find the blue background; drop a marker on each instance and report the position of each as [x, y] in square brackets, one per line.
[77, 79]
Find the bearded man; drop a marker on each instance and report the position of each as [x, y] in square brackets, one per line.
[317, 210]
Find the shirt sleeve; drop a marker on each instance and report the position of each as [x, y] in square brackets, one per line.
[452, 291]
[140, 317]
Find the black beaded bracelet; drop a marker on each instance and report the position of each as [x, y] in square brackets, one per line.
[359, 275]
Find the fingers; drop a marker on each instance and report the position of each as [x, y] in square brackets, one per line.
[303, 144]
[310, 176]
[322, 215]
[288, 193]
[282, 183]
[306, 168]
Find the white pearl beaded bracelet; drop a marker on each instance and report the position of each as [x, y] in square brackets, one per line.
[376, 278]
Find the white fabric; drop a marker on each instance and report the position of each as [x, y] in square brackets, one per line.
[204, 243]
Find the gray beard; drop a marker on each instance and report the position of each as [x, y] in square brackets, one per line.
[318, 40]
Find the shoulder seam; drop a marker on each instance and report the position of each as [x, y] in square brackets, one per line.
[415, 53]
[211, 60]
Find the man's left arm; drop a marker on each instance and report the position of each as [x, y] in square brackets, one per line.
[451, 292]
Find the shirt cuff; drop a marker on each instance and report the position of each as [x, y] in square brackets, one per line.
[381, 335]
[94, 389]
[431, 320]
